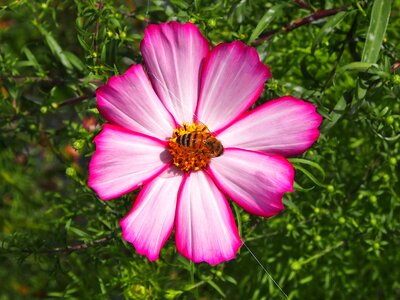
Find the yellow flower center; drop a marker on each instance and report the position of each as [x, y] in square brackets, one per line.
[192, 146]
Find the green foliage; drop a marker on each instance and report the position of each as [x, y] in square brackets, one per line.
[339, 235]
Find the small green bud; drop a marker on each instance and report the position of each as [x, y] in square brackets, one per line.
[376, 246]
[139, 289]
[78, 144]
[169, 294]
[296, 266]
[122, 35]
[373, 199]
[32, 127]
[317, 210]
[71, 172]
[393, 161]
[192, 20]
[317, 238]
[54, 105]
[212, 23]
[110, 33]
[396, 79]
[389, 120]
[386, 177]
[44, 6]
[289, 227]
[94, 54]
[373, 221]
[273, 85]
[141, 17]
[342, 220]
[330, 188]
[43, 109]
[246, 218]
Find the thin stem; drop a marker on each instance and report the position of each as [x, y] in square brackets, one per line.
[192, 272]
[303, 4]
[75, 100]
[319, 14]
[52, 81]
[66, 249]
[322, 253]
[347, 40]
[100, 6]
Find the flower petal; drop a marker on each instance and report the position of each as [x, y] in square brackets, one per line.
[205, 227]
[285, 126]
[130, 102]
[232, 79]
[254, 180]
[149, 223]
[124, 160]
[173, 54]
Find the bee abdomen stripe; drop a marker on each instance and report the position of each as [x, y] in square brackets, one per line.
[193, 139]
[179, 140]
[186, 140]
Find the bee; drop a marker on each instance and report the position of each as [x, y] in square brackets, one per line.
[198, 140]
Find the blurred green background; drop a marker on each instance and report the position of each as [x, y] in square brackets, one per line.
[339, 235]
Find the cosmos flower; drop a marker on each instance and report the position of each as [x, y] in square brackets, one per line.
[182, 130]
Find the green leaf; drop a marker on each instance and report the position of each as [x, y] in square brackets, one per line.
[337, 112]
[309, 175]
[306, 279]
[57, 51]
[238, 217]
[31, 58]
[216, 287]
[290, 204]
[103, 53]
[230, 279]
[308, 162]
[328, 28]
[376, 30]
[298, 187]
[79, 232]
[180, 3]
[373, 42]
[75, 61]
[83, 43]
[172, 294]
[273, 13]
[55, 47]
[357, 66]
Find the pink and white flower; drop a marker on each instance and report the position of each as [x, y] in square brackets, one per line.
[189, 88]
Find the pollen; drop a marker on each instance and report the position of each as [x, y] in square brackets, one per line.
[192, 147]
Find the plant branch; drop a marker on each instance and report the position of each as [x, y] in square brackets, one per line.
[53, 81]
[319, 14]
[79, 247]
[66, 249]
[33, 79]
[75, 100]
[303, 4]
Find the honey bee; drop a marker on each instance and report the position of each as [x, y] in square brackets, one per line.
[198, 140]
